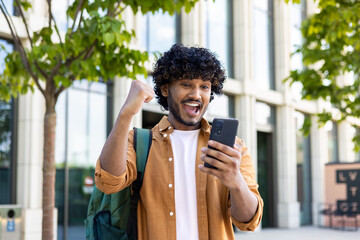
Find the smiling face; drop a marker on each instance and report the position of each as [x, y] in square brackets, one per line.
[188, 101]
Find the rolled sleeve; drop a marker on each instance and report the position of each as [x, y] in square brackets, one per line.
[248, 172]
[108, 183]
[255, 221]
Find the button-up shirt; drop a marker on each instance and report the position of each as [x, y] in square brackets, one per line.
[156, 207]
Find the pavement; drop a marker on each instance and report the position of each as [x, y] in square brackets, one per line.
[302, 233]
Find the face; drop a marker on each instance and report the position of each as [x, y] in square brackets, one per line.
[188, 101]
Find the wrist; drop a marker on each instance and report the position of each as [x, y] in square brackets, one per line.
[238, 185]
[126, 115]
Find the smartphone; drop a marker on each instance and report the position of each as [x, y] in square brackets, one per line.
[224, 131]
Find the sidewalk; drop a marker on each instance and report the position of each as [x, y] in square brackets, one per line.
[303, 233]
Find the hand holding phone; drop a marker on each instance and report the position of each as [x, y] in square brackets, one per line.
[224, 131]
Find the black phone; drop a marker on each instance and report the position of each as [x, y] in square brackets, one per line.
[224, 131]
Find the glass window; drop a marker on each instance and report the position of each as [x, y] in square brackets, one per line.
[59, 12]
[356, 131]
[81, 133]
[9, 6]
[303, 160]
[5, 152]
[9, 47]
[158, 32]
[219, 32]
[333, 146]
[222, 106]
[298, 14]
[265, 114]
[6, 137]
[263, 44]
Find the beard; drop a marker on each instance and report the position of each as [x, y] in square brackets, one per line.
[175, 111]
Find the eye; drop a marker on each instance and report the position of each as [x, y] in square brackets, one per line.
[205, 87]
[185, 84]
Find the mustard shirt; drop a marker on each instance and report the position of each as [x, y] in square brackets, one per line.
[156, 207]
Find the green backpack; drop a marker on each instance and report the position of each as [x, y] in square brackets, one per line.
[114, 216]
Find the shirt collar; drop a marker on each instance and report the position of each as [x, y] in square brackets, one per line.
[164, 125]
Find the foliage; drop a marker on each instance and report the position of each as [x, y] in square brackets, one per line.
[331, 50]
[96, 46]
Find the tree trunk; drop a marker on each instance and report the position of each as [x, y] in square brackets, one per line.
[49, 172]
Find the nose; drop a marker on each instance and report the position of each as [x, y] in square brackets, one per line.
[196, 93]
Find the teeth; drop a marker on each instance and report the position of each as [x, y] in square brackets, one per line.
[192, 104]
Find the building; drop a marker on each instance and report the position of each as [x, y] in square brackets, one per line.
[254, 40]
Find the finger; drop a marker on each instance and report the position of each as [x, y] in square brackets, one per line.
[210, 171]
[230, 151]
[149, 95]
[214, 153]
[213, 161]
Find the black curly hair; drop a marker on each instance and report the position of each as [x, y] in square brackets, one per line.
[181, 62]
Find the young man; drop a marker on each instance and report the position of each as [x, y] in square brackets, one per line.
[180, 198]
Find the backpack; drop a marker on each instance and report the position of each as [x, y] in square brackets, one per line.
[114, 216]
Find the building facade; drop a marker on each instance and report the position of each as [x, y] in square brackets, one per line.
[253, 40]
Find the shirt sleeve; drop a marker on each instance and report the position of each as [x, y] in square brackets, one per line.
[108, 183]
[248, 172]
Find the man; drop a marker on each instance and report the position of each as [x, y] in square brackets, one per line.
[180, 198]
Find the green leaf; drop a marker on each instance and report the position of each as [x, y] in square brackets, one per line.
[109, 38]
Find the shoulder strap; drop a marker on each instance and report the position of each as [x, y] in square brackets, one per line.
[142, 144]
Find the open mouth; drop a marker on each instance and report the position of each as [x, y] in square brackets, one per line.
[192, 108]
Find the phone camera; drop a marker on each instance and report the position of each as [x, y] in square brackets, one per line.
[218, 127]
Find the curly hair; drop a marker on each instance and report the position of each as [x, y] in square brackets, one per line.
[181, 62]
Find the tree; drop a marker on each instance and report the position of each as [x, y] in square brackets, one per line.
[95, 46]
[331, 50]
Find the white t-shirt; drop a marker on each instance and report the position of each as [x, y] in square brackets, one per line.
[184, 146]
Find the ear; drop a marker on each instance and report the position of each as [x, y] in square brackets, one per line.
[165, 90]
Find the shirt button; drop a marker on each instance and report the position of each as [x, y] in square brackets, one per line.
[171, 214]
[170, 159]
[165, 135]
[170, 185]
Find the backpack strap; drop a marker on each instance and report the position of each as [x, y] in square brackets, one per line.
[144, 137]
[142, 144]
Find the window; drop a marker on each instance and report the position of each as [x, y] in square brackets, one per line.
[263, 44]
[81, 131]
[222, 106]
[298, 14]
[9, 6]
[356, 131]
[59, 12]
[158, 32]
[333, 146]
[265, 114]
[7, 168]
[219, 32]
[303, 167]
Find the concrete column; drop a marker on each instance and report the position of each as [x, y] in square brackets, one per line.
[245, 113]
[30, 161]
[345, 135]
[191, 28]
[319, 156]
[242, 41]
[282, 46]
[244, 104]
[288, 208]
